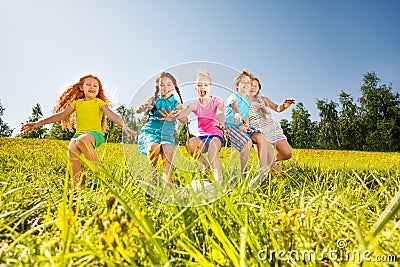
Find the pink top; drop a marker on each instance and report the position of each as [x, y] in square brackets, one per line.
[207, 116]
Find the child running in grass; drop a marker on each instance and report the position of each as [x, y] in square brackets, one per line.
[83, 105]
[260, 118]
[157, 135]
[210, 117]
[241, 135]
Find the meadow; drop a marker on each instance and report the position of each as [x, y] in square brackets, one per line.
[324, 208]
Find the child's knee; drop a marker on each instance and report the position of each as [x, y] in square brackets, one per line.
[193, 146]
[247, 147]
[249, 144]
[216, 142]
[154, 150]
[84, 141]
[154, 147]
[73, 151]
[287, 155]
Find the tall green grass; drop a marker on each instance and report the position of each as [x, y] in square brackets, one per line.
[312, 205]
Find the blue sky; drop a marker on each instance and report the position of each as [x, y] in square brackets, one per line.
[307, 49]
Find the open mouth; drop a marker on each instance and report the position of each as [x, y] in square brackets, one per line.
[166, 92]
[202, 93]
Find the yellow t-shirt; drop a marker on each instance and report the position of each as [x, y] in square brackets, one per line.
[88, 115]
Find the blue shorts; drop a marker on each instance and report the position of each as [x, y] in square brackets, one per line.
[251, 131]
[206, 139]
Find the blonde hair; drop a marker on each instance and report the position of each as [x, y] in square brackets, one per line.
[73, 92]
[241, 75]
[203, 73]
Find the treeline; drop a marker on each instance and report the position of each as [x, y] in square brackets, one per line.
[372, 123]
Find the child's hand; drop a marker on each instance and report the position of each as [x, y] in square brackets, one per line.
[29, 126]
[243, 128]
[222, 128]
[238, 118]
[288, 102]
[130, 132]
[169, 115]
[143, 107]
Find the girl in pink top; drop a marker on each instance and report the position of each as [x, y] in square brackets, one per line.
[210, 117]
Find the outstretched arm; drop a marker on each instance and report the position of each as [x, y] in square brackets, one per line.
[183, 114]
[278, 108]
[117, 119]
[171, 115]
[53, 118]
[146, 105]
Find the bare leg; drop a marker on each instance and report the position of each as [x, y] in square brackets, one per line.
[264, 149]
[284, 150]
[196, 147]
[167, 154]
[213, 149]
[152, 154]
[244, 155]
[73, 152]
[266, 159]
[86, 144]
[154, 151]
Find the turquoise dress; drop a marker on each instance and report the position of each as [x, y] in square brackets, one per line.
[155, 130]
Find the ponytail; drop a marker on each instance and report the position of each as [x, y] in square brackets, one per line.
[153, 109]
[179, 93]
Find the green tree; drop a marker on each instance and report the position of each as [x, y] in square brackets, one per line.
[56, 132]
[39, 132]
[113, 133]
[380, 115]
[328, 130]
[287, 131]
[302, 127]
[349, 123]
[5, 130]
[182, 133]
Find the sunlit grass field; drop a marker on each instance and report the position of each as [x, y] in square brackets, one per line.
[324, 208]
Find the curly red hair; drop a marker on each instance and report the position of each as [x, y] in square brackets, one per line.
[74, 92]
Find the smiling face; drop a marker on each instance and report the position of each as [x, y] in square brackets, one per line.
[203, 86]
[244, 85]
[90, 88]
[255, 89]
[166, 86]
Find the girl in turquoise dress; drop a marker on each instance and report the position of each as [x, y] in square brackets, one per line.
[157, 135]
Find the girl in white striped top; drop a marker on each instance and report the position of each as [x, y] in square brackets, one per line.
[260, 118]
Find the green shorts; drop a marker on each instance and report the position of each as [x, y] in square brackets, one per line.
[98, 137]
